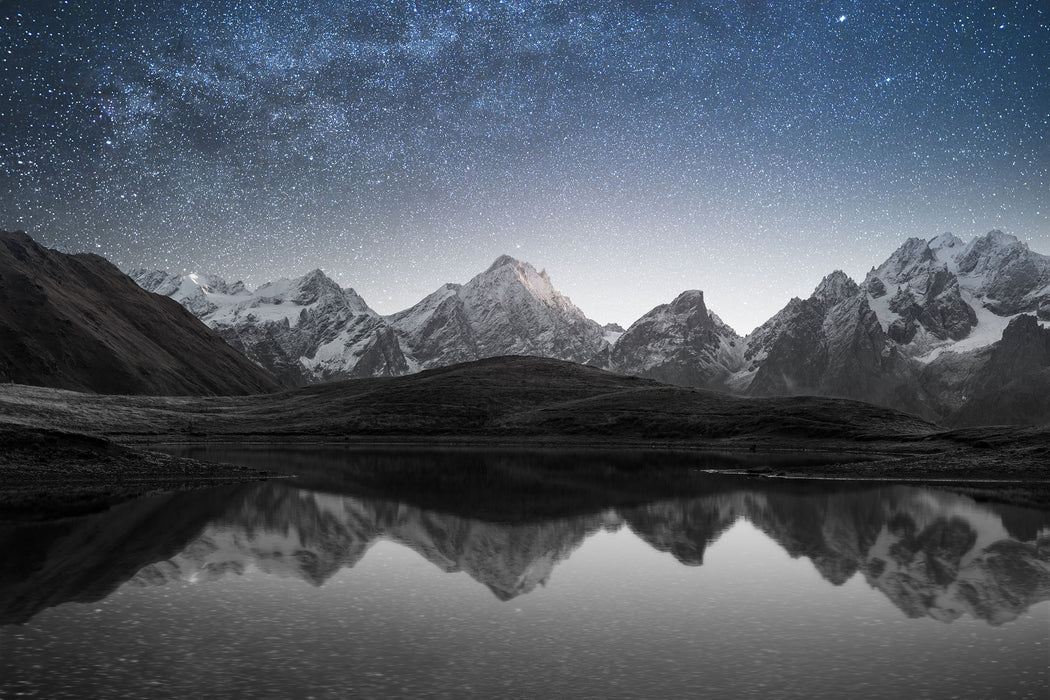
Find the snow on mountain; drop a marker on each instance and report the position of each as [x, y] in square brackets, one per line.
[943, 294]
[1007, 276]
[510, 309]
[681, 342]
[612, 332]
[303, 330]
[914, 335]
[917, 296]
[829, 344]
[940, 309]
[201, 294]
[308, 329]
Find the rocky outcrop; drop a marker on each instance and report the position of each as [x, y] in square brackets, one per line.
[925, 304]
[1012, 384]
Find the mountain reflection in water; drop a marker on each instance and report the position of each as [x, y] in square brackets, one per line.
[931, 553]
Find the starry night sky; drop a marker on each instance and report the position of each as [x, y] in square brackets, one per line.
[633, 149]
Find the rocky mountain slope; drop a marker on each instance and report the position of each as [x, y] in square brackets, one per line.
[681, 343]
[510, 309]
[303, 330]
[309, 330]
[77, 322]
[918, 333]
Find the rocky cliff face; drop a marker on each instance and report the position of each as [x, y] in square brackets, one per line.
[829, 344]
[1011, 384]
[917, 335]
[917, 296]
[1008, 277]
[681, 343]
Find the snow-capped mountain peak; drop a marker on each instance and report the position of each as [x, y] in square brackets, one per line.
[835, 288]
[202, 294]
[509, 309]
[913, 257]
[507, 277]
[946, 242]
[1007, 276]
[504, 261]
[313, 288]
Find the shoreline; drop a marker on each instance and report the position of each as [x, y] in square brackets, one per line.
[57, 474]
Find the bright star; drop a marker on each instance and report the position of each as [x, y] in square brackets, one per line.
[842, 18]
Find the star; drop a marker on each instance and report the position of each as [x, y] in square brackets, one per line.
[399, 146]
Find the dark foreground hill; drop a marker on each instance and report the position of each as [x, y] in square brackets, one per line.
[77, 322]
[535, 402]
[494, 400]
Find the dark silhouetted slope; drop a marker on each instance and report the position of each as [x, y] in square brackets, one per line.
[77, 322]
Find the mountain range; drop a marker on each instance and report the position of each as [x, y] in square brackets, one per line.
[955, 332]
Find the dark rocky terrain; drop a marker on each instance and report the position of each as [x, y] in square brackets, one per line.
[77, 322]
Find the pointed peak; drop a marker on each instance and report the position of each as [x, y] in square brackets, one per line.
[1000, 238]
[945, 240]
[688, 302]
[913, 256]
[913, 249]
[315, 274]
[689, 295]
[504, 261]
[835, 278]
[835, 287]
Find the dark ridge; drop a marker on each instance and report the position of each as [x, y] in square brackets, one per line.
[77, 322]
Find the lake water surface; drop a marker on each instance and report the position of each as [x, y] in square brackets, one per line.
[330, 585]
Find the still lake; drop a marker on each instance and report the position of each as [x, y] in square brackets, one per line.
[527, 574]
